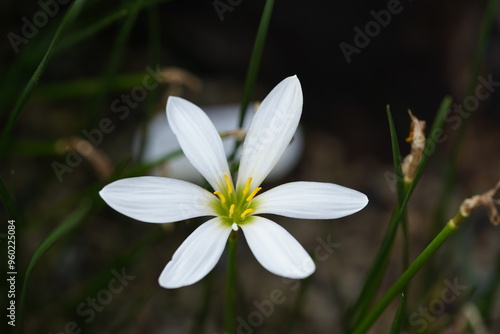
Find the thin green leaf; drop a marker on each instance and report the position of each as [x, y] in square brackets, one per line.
[253, 68]
[60, 231]
[114, 60]
[366, 322]
[154, 58]
[91, 30]
[229, 311]
[449, 178]
[87, 87]
[430, 146]
[398, 317]
[299, 305]
[68, 19]
[379, 266]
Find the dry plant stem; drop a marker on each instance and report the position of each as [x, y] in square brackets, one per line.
[487, 200]
[417, 140]
[403, 280]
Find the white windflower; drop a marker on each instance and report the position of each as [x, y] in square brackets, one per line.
[160, 200]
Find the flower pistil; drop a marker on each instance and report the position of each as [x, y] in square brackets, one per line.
[235, 207]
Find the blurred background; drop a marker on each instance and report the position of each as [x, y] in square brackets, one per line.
[85, 122]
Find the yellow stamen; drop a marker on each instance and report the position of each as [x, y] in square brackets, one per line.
[222, 198]
[231, 210]
[229, 184]
[252, 195]
[246, 212]
[247, 186]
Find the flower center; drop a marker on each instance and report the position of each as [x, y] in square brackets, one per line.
[235, 206]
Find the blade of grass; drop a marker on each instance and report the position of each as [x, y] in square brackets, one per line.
[398, 317]
[60, 231]
[154, 56]
[114, 60]
[379, 266]
[201, 315]
[403, 280]
[449, 178]
[229, 305]
[67, 20]
[253, 67]
[299, 305]
[87, 87]
[91, 30]
[9, 87]
[430, 146]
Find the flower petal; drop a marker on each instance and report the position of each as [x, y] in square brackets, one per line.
[158, 199]
[197, 255]
[271, 131]
[276, 249]
[199, 140]
[310, 200]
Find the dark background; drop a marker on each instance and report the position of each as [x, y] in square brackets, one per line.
[425, 53]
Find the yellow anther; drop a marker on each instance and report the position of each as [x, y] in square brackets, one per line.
[247, 186]
[222, 198]
[229, 184]
[252, 195]
[246, 212]
[231, 210]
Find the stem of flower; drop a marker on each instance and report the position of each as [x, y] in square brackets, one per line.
[229, 319]
[395, 290]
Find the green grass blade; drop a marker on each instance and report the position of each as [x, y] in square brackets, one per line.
[87, 87]
[379, 266]
[434, 137]
[396, 156]
[67, 225]
[154, 59]
[114, 60]
[482, 44]
[398, 317]
[405, 278]
[67, 20]
[449, 179]
[430, 146]
[91, 30]
[253, 67]
[229, 303]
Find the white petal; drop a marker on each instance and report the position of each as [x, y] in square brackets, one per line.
[271, 131]
[197, 255]
[276, 249]
[199, 140]
[310, 200]
[158, 199]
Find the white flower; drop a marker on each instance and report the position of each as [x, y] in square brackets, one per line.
[160, 200]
